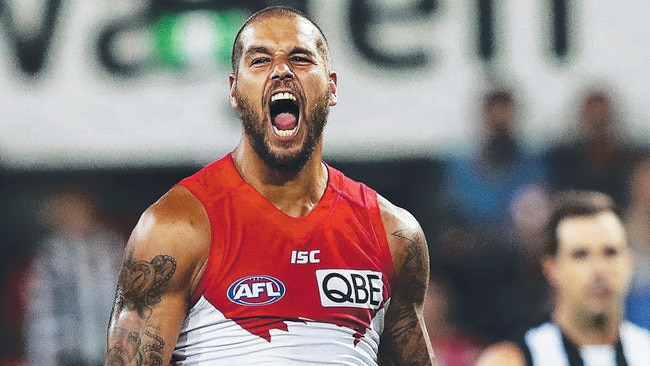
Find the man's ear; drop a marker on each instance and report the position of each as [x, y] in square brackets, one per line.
[549, 266]
[630, 263]
[233, 90]
[333, 86]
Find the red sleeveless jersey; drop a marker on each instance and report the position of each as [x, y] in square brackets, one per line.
[308, 290]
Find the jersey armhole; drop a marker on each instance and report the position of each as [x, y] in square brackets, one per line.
[381, 234]
[200, 288]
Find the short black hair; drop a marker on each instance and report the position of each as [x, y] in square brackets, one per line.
[277, 10]
[574, 203]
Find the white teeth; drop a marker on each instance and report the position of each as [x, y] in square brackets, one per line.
[282, 96]
[284, 133]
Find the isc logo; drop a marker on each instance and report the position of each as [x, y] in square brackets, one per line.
[350, 288]
[256, 290]
[305, 256]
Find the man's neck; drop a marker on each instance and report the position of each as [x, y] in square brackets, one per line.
[294, 193]
[589, 329]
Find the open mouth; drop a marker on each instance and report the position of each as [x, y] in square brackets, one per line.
[285, 113]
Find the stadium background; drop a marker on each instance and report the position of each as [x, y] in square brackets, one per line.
[127, 97]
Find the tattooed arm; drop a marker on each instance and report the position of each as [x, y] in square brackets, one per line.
[164, 259]
[405, 340]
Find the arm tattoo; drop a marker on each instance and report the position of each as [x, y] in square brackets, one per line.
[132, 350]
[406, 333]
[139, 288]
[415, 263]
[152, 352]
[141, 282]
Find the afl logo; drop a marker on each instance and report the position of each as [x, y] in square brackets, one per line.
[256, 290]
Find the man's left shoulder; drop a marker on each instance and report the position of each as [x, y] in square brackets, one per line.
[396, 217]
[636, 343]
[630, 329]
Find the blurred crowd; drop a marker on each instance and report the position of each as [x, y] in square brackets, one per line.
[495, 202]
[57, 298]
[485, 240]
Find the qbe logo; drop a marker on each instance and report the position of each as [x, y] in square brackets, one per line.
[350, 288]
[256, 290]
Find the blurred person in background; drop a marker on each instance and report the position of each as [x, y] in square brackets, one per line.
[453, 346]
[72, 281]
[596, 155]
[637, 222]
[493, 199]
[482, 186]
[589, 267]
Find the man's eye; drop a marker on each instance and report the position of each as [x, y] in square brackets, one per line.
[579, 254]
[259, 60]
[300, 59]
[611, 252]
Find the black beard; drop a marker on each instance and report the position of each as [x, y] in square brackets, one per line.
[254, 128]
[599, 321]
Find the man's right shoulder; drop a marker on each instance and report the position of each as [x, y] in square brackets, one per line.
[176, 228]
[177, 221]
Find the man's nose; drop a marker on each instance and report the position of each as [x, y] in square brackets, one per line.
[602, 264]
[281, 69]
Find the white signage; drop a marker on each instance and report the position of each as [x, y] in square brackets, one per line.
[123, 82]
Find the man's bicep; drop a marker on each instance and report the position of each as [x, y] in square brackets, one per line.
[413, 271]
[405, 340]
[147, 312]
[404, 320]
[158, 274]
